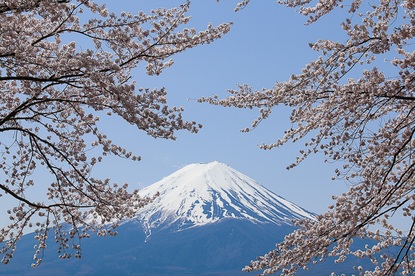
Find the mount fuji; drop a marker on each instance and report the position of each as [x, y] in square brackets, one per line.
[201, 194]
[208, 219]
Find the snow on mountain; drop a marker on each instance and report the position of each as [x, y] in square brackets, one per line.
[200, 194]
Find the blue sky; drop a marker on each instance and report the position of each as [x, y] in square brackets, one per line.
[267, 43]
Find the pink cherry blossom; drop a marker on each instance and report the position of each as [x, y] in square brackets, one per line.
[62, 64]
[355, 104]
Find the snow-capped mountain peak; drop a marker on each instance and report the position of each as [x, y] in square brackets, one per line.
[199, 194]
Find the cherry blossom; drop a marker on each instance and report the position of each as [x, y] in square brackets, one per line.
[63, 64]
[355, 104]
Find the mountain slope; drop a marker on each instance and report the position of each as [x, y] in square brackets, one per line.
[221, 248]
[200, 194]
[209, 219]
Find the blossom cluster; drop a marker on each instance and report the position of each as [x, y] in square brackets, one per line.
[350, 106]
[63, 63]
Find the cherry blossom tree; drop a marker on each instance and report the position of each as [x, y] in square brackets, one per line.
[356, 105]
[63, 63]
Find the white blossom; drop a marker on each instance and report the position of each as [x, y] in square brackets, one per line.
[58, 71]
[367, 123]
